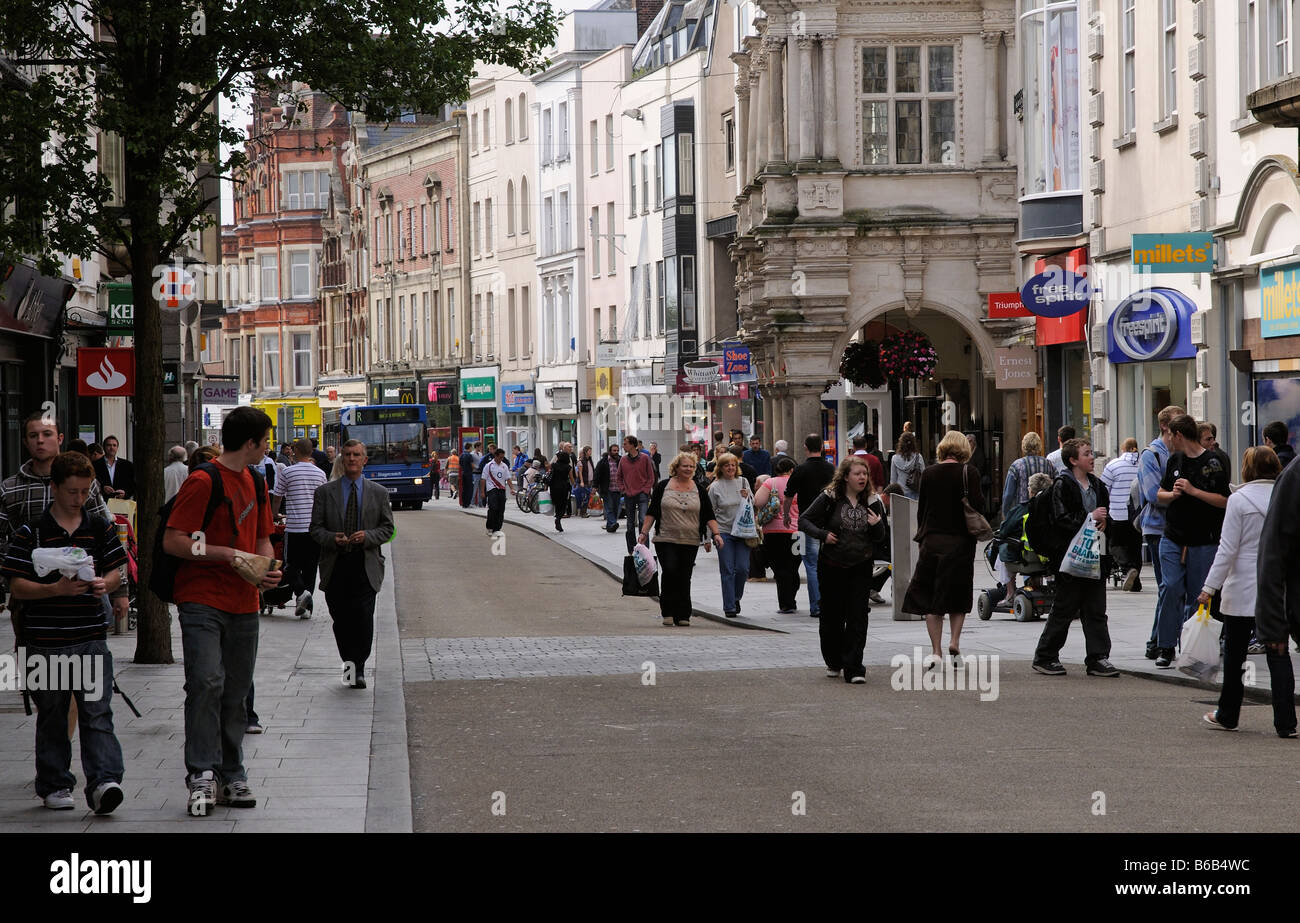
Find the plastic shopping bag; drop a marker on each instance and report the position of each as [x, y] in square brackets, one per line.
[71, 562]
[744, 526]
[644, 562]
[1083, 557]
[1200, 656]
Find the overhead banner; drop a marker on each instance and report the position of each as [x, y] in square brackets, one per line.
[106, 372]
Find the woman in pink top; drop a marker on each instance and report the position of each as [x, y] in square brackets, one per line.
[778, 538]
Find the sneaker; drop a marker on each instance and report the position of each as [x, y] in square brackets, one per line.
[786, 611]
[1131, 579]
[1049, 668]
[877, 598]
[668, 623]
[1257, 647]
[730, 615]
[1152, 651]
[1212, 719]
[858, 680]
[203, 793]
[880, 569]
[254, 728]
[1102, 667]
[237, 794]
[105, 797]
[1166, 658]
[834, 674]
[300, 604]
[61, 800]
[1287, 735]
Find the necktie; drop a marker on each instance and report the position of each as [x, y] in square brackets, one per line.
[350, 514]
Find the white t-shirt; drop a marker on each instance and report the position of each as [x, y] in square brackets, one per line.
[497, 475]
[297, 485]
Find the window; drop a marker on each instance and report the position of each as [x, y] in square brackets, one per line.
[595, 149]
[510, 208]
[424, 228]
[491, 321]
[646, 304]
[1169, 56]
[645, 182]
[524, 205]
[595, 240]
[399, 254]
[401, 326]
[112, 165]
[476, 326]
[631, 185]
[659, 176]
[547, 155]
[729, 140]
[609, 142]
[548, 226]
[451, 227]
[525, 318]
[613, 323]
[487, 128]
[566, 242]
[660, 306]
[473, 132]
[523, 118]
[436, 227]
[609, 241]
[389, 253]
[510, 127]
[563, 119]
[489, 227]
[510, 322]
[1129, 79]
[1052, 123]
[685, 165]
[908, 104]
[431, 342]
[477, 229]
[411, 229]
[300, 274]
[451, 319]
[1277, 39]
[600, 331]
[688, 293]
[270, 361]
[253, 363]
[293, 190]
[302, 351]
[378, 242]
[270, 277]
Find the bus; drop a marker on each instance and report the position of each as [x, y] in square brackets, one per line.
[396, 453]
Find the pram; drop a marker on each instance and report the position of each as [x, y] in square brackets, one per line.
[1028, 602]
[278, 597]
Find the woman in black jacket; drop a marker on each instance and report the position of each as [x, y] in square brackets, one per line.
[681, 514]
[849, 520]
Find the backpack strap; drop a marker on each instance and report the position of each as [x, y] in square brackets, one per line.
[217, 496]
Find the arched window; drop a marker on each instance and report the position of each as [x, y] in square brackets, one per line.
[523, 117]
[510, 207]
[524, 205]
[510, 127]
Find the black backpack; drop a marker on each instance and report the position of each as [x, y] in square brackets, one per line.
[162, 579]
[1040, 527]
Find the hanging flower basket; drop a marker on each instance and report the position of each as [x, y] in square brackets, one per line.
[908, 354]
[860, 364]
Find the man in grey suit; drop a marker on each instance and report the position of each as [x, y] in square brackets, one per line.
[351, 519]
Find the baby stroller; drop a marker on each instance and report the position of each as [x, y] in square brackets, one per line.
[126, 534]
[279, 597]
[1028, 602]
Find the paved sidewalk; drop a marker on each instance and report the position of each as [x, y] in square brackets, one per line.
[332, 759]
[1130, 614]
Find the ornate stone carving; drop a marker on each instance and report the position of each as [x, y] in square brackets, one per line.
[826, 196]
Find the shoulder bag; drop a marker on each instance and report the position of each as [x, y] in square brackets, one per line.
[976, 524]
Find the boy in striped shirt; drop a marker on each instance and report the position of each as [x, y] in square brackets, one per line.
[64, 618]
[294, 491]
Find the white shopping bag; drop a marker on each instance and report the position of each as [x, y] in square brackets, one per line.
[644, 562]
[744, 526]
[1083, 557]
[1200, 655]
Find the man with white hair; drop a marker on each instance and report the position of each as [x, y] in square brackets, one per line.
[175, 472]
[782, 448]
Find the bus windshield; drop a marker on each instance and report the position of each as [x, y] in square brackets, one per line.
[390, 443]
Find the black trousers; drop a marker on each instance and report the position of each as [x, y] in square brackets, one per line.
[560, 500]
[676, 563]
[352, 608]
[1125, 544]
[779, 555]
[845, 608]
[496, 509]
[1237, 632]
[1081, 599]
[301, 558]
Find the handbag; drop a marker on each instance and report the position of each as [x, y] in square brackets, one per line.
[632, 585]
[771, 509]
[976, 524]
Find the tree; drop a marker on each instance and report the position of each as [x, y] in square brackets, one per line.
[152, 71]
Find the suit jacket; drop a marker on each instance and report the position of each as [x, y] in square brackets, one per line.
[376, 519]
[123, 476]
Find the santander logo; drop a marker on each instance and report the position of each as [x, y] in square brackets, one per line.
[106, 377]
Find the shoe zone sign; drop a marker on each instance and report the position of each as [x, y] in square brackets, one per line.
[1151, 324]
[1056, 292]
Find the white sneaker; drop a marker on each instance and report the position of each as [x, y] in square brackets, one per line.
[203, 793]
[832, 673]
[61, 800]
[105, 797]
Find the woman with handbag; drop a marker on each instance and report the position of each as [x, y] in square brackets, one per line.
[729, 494]
[1232, 576]
[681, 514]
[944, 579]
[907, 466]
[849, 520]
[778, 538]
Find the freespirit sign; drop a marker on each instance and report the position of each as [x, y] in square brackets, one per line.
[1151, 324]
[1056, 293]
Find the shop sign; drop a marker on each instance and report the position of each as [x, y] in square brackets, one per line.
[223, 393]
[121, 307]
[1003, 305]
[1279, 302]
[702, 372]
[735, 360]
[105, 372]
[517, 398]
[440, 391]
[1056, 293]
[1151, 324]
[479, 389]
[1173, 252]
[1016, 368]
[604, 382]
[639, 381]
[171, 378]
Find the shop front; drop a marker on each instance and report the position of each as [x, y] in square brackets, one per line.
[1274, 344]
[1059, 295]
[31, 306]
[478, 404]
[440, 402]
[557, 413]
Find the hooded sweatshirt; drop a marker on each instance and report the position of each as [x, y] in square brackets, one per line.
[1233, 571]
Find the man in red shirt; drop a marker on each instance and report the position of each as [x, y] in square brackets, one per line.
[637, 473]
[218, 609]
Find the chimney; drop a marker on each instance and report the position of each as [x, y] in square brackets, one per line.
[646, 10]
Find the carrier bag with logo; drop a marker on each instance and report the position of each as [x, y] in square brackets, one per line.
[1083, 557]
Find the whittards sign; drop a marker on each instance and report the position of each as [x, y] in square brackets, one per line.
[1056, 293]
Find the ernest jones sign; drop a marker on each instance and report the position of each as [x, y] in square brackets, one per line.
[1017, 368]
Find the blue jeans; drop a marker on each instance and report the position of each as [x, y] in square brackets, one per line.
[1153, 549]
[1183, 581]
[637, 504]
[811, 551]
[101, 754]
[733, 565]
[220, 649]
[612, 499]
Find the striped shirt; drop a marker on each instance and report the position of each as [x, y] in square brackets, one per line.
[297, 485]
[1118, 476]
[24, 497]
[60, 621]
